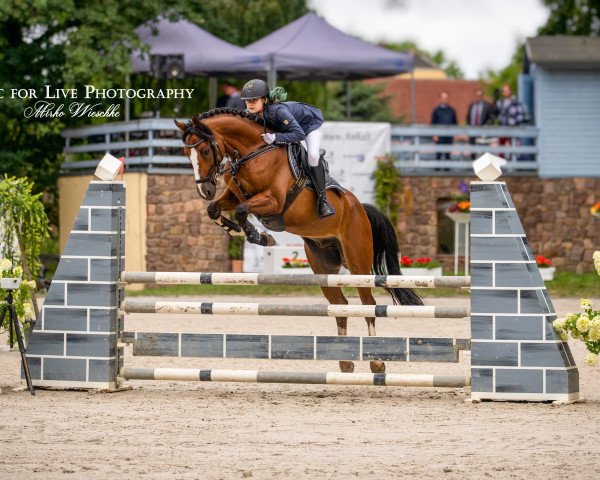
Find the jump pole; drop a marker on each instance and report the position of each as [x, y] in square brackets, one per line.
[318, 280]
[328, 378]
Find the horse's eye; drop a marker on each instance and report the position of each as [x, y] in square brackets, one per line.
[205, 152]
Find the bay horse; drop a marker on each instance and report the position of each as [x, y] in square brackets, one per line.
[258, 179]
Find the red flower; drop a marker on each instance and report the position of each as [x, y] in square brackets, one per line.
[543, 261]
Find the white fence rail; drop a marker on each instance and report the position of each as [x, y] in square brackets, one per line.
[154, 145]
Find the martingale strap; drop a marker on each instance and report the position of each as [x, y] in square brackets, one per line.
[236, 164]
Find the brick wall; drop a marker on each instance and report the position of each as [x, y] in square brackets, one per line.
[180, 236]
[554, 213]
[427, 96]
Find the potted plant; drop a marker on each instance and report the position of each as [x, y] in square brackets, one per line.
[584, 326]
[236, 253]
[546, 268]
[420, 266]
[460, 208]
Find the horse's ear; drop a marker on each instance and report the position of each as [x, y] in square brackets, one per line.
[180, 126]
[197, 123]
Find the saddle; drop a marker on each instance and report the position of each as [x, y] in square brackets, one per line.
[298, 161]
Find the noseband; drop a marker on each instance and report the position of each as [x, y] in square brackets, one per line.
[216, 150]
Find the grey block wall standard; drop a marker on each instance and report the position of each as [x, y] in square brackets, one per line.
[74, 342]
[515, 353]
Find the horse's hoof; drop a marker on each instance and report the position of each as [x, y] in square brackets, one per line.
[267, 240]
[347, 367]
[377, 367]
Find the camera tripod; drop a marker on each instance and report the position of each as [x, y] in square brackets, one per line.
[14, 324]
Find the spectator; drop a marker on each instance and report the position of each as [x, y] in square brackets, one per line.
[511, 113]
[480, 112]
[222, 99]
[443, 114]
[234, 99]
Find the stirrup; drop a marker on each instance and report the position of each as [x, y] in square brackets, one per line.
[324, 208]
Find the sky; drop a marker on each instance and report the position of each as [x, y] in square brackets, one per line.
[477, 34]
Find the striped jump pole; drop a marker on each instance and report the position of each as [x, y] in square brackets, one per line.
[324, 310]
[315, 280]
[328, 378]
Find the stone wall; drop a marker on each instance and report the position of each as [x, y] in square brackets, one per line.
[180, 236]
[555, 214]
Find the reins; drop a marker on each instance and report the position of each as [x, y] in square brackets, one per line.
[220, 160]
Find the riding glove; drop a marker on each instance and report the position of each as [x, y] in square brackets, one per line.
[268, 138]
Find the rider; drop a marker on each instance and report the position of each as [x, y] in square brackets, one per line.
[293, 122]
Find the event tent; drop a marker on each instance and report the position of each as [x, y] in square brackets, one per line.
[311, 49]
[204, 54]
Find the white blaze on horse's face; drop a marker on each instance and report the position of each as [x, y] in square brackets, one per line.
[194, 159]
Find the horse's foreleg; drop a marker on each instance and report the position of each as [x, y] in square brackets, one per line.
[261, 204]
[226, 202]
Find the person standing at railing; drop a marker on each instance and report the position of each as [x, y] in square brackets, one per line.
[511, 113]
[443, 114]
[480, 112]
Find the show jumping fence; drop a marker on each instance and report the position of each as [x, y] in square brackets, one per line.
[515, 353]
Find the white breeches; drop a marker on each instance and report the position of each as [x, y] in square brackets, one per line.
[313, 144]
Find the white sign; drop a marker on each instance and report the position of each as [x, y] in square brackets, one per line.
[352, 151]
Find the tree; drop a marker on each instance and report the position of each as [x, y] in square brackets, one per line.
[572, 17]
[70, 43]
[449, 66]
[367, 103]
[567, 17]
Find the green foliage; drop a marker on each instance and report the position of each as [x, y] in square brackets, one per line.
[366, 103]
[567, 17]
[241, 22]
[449, 66]
[386, 185]
[70, 43]
[584, 326]
[25, 220]
[572, 17]
[21, 297]
[236, 247]
[507, 75]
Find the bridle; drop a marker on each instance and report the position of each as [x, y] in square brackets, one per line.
[218, 157]
[218, 169]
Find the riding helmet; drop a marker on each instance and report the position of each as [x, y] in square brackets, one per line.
[255, 89]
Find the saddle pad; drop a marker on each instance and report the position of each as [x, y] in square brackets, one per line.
[298, 159]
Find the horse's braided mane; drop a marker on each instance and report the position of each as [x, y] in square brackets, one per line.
[207, 132]
[230, 111]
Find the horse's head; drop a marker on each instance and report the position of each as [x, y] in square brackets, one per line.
[203, 150]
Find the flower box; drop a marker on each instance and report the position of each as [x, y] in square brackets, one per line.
[277, 257]
[458, 217]
[547, 273]
[436, 271]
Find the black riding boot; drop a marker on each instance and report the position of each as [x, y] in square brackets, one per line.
[324, 208]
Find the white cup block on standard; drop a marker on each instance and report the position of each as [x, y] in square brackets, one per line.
[487, 167]
[108, 168]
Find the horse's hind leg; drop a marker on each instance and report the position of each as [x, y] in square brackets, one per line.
[327, 260]
[358, 258]
[366, 298]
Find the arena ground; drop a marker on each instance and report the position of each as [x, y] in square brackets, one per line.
[221, 431]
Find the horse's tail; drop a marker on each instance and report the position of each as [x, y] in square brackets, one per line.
[385, 255]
